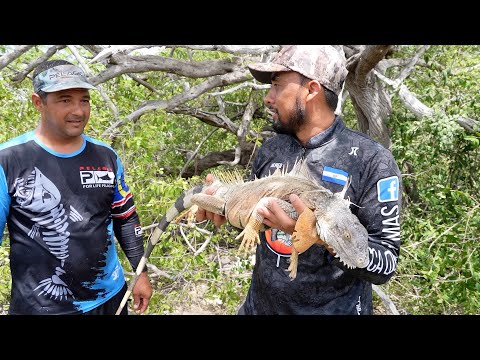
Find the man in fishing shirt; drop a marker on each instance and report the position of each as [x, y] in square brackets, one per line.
[306, 81]
[63, 197]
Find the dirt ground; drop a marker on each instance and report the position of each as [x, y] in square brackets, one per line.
[198, 305]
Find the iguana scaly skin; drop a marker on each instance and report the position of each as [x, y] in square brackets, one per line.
[330, 213]
[238, 200]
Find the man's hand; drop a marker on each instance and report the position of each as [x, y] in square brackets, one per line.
[277, 218]
[304, 230]
[203, 214]
[142, 292]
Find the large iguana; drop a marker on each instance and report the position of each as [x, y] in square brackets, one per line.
[238, 200]
[328, 213]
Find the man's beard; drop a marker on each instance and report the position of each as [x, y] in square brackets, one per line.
[294, 123]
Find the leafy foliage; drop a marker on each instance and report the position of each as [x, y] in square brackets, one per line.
[439, 265]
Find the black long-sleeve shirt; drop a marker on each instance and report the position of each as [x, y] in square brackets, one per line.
[62, 211]
[323, 285]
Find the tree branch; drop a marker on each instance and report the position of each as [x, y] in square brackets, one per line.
[86, 69]
[137, 64]
[389, 305]
[177, 100]
[195, 153]
[368, 59]
[33, 64]
[406, 71]
[242, 130]
[233, 49]
[9, 57]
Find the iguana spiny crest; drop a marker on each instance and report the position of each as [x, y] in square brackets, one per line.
[327, 212]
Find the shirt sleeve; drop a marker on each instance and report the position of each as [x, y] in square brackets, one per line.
[4, 202]
[126, 223]
[379, 211]
[130, 237]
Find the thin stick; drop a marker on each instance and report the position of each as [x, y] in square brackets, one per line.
[153, 240]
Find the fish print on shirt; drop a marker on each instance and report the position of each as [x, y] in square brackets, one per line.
[41, 197]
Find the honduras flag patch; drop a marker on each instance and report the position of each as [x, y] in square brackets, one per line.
[333, 175]
[387, 189]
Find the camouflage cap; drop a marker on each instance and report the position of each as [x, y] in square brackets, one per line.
[61, 77]
[317, 62]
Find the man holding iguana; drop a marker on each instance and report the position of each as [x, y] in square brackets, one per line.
[305, 84]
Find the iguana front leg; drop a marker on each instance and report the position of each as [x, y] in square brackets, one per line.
[303, 237]
[305, 233]
[250, 232]
[255, 222]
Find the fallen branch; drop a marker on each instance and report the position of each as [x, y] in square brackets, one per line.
[389, 305]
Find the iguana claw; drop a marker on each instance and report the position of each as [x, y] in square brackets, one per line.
[250, 239]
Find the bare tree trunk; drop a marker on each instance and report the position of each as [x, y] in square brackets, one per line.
[372, 106]
[371, 102]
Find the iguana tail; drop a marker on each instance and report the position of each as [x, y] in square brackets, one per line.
[182, 203]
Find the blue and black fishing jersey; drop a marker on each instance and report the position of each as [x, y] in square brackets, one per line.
[62, 211]
[323, 285]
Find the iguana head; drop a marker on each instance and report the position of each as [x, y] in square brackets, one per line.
[341, 230]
